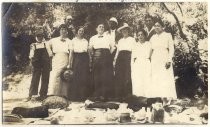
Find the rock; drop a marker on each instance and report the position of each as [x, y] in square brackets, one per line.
[54, 121]
[11, 118]
[56, 102]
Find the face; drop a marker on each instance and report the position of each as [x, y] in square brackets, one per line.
[100, 29]
[39, 38]
[200, 105]
[141, 36]
[125, 32]
[158, 27]
[149, 22]
[112, 25]
[69, 21]
[63, 32]
[80, 32]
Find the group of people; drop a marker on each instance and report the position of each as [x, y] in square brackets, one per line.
[111, 65]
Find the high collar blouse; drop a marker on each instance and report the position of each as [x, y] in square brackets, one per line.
[142, 50]
[55, 45]
[162, 43]
[126, 44]
[79, 45]
[101, 41]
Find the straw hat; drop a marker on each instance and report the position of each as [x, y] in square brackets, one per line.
[125, 25]
[113, 19]
[69, 17]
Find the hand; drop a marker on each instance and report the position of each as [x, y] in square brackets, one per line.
[90, 66]
[168, 64]
[134, 60]
[114, 63]
[30, 62]
[149, 59]
[68, 67]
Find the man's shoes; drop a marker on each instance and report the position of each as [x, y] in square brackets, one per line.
[41, 98]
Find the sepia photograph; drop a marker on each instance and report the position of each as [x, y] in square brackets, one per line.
[104, 63]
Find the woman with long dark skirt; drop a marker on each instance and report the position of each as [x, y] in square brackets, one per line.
[80, 88]
[122, 63]
[101, 48]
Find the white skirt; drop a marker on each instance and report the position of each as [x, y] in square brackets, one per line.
[56, 85]
[141, 77]
[163, 84]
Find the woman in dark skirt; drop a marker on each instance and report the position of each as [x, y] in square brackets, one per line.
[122, 63]
[80, 88]
[101, 48]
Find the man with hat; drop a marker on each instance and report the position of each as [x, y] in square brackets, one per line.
[41, 66]
[114, 34]
[68, 20]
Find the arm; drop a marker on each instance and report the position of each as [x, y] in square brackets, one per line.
[70, 59]
[31, 54]
[71, 50]
[90, 52]
[112, 45]
[150, 54]
[151, 49]
[170, 48]
[49, 49]
[115, 58]
[170, 51]
[133, 54]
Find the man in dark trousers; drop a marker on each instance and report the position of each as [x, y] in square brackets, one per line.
[70, 28]
[41, 66]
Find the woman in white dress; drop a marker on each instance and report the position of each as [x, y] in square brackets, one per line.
[59, 50]
[141, 66]
[163, 84]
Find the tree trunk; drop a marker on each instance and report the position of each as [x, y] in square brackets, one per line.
[182, 35]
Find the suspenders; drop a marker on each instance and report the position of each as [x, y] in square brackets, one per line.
[44, 46]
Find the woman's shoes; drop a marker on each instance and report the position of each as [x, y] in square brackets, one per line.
[39, 98]
[28, 99]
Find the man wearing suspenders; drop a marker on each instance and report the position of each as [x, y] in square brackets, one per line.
[41, 67]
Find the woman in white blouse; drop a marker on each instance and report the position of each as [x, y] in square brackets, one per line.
[122, 63]
[59, 50]
[163, 84]
[101, 48]
[80, 88]
[141, 66]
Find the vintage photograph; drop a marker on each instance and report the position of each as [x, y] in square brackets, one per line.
[142, 63]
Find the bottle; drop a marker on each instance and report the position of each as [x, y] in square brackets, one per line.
[148, 115]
